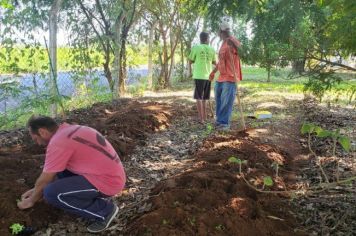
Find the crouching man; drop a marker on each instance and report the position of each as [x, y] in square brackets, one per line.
[80, 174]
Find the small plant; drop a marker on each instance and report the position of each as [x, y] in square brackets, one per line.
[275, 165]
[147, 231]
[16, 228]
[176, 203]
[192, 221]
[219, 227]
[336, 137]
[233, 159]
[209, 129]
[165, 222]
[267, 181]
[344, 141]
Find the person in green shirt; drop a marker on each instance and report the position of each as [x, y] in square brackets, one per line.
[203, 57]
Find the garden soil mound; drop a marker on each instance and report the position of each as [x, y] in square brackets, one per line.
[212, 199]
[125, 124]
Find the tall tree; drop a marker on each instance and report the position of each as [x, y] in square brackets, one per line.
[298, 32]
[109, 22]
[53, 27]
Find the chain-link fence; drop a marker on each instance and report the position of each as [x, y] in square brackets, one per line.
[31, 93]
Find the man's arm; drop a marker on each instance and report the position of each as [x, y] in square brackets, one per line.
[28, 200]
[212, 74]
[190, 62]
[233, 43]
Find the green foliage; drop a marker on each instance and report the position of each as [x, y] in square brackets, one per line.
[16, 228]
[319, 83]
[209, 128]
[345, 143]
[34, 58]
[6, 4]
[137, 90]
[235, 160]
[312, 34]
[340, 29]
[85, 96]
[267, 181]
[309, 128]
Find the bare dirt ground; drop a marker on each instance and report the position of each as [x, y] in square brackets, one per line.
[180, 181]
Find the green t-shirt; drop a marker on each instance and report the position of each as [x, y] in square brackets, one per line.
[202, 56]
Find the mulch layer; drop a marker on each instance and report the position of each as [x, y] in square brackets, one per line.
[212, 199]
[125, 123]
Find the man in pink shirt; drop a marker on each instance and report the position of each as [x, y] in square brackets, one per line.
[229, 67]
[81, 171]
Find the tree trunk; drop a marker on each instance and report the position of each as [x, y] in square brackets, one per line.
[298, 66]
[53, 18]
[107, 70]
[116, 77]
[150, 52]
[165, 64]
[268, 73]
[163, 78]
[123, 69]
[182, 76]
[117, 55]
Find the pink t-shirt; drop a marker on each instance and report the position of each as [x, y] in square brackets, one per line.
[84, 151]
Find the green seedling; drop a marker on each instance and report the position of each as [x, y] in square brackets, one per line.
[209, 129]
[233, 159]
[147, 232]
[345, 142]
[219, 227]
[309, 128]
[267, 181]
[275, 165]
[16, 228]
[192, 221]
[165, 222]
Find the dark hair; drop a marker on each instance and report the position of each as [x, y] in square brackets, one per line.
[204, 37]
[37, 122]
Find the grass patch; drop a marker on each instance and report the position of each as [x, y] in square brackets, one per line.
[279, 90]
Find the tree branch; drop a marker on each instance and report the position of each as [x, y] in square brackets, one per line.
[106, 23]
[331, 63]
[91, 23]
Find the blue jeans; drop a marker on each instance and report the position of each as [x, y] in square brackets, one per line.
[73, 193]
[225, 93]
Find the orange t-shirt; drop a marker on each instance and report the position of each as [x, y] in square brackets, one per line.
[225, 65]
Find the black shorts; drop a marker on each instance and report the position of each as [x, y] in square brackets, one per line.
[202, 89]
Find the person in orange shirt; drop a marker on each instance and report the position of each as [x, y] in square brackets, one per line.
[229, 67]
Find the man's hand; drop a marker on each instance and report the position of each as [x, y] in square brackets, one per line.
[29, 198]
[27, 194]
[26, 200]
[212, 76]
[25, 203]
